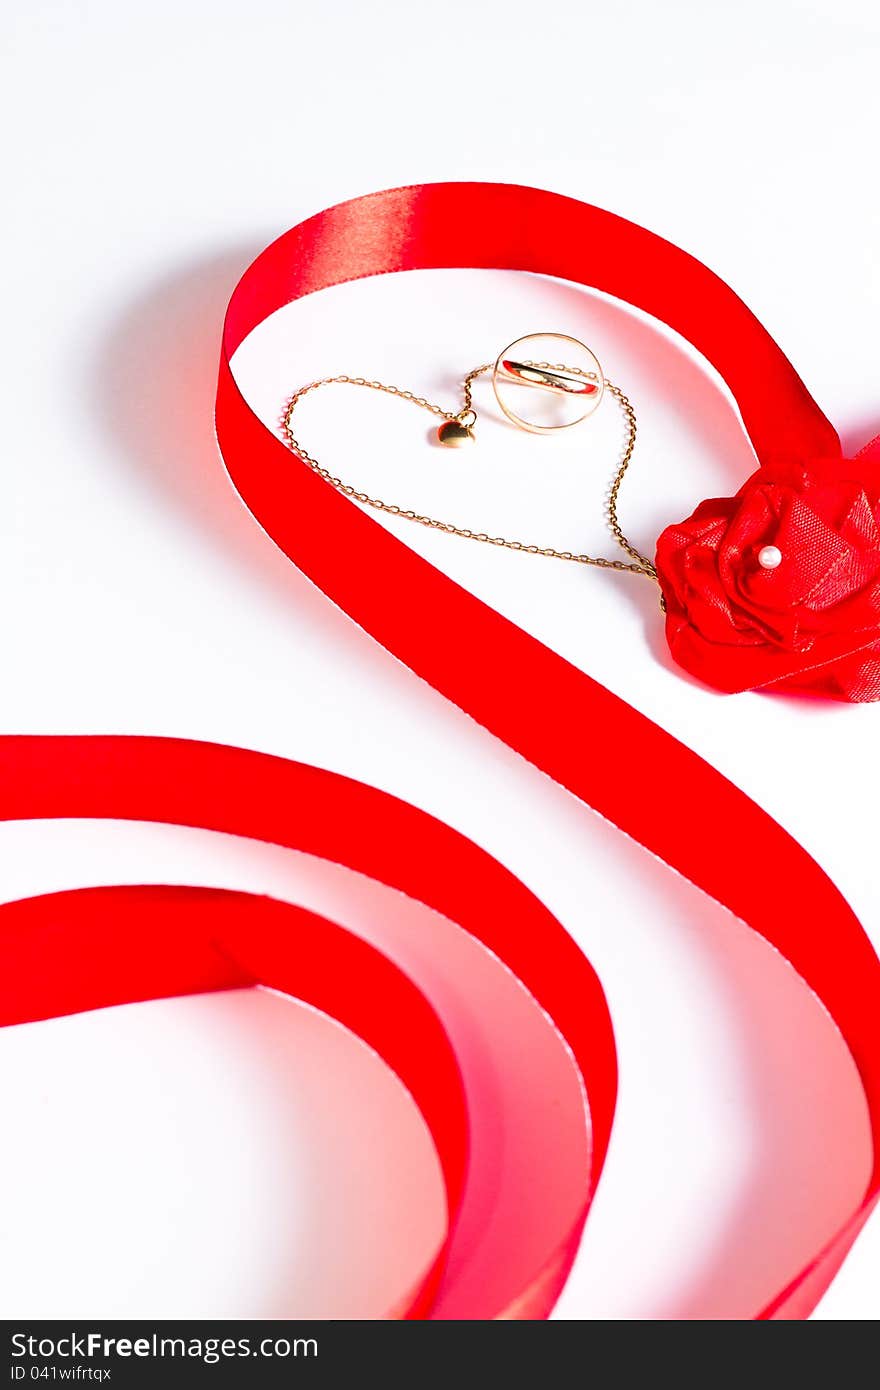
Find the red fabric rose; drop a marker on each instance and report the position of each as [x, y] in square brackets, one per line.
[812, 622]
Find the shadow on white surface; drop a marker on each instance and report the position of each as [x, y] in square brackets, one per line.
[235, 1155]
[153, 382]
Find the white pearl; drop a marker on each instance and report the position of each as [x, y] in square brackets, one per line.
[769, 557]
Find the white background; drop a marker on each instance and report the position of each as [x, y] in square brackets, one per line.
[153, 151]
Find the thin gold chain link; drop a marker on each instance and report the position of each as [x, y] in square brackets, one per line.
[640, 563]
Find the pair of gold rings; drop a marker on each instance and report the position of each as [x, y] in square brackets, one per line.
[567, 391]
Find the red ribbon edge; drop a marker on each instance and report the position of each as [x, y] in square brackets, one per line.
[497, 673]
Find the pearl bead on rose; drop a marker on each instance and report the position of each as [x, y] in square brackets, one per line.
[769, 557]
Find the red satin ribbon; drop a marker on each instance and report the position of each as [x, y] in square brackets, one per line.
[66, 952]
[497, 673]
[61, 954]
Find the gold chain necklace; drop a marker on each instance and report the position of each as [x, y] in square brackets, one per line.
[458, 428]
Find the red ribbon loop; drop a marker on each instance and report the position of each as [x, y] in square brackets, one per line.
[64, 952]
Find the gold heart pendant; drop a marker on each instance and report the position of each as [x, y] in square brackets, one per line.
[453, 434]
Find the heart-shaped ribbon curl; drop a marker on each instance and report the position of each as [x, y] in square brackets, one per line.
[61, 955]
